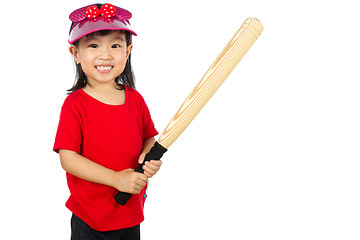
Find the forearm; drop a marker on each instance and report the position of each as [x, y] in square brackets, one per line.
[84, 168]
[148, 144]
[150, 168]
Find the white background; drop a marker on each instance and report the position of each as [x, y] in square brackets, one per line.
[274, 155]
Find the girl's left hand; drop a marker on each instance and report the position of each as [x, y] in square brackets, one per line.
[150, 168]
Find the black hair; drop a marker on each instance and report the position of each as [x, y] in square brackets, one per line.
[126, 78]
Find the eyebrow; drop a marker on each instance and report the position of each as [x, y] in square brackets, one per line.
[96, 37]
[118, 37]
[90, 38]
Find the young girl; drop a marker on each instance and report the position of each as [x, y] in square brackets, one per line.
[105, 128]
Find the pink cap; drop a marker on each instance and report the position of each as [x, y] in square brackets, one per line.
[90, 19]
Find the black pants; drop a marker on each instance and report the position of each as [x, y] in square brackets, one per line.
[81, 231]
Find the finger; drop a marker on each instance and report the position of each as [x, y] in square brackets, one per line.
[139, 188]
[156, 162]
[152, 166]
[136, 191]
[141, 184]
[150, 169]
[142, 178]
[148, 174]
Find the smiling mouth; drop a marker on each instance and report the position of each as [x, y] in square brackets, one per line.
[104, 68]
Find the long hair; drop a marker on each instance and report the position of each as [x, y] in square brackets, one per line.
[126, 78]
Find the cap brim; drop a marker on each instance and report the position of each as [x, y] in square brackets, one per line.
[90, 27]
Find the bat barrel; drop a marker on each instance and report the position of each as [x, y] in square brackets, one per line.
[204, 90]
[212, 80]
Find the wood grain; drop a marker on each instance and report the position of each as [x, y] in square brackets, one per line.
[212, 80]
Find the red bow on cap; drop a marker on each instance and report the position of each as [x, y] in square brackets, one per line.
[107, 10]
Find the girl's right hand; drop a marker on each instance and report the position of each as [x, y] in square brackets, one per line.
[129, 181]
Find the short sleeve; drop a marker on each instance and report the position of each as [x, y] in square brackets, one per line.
[149, 129]
[69, 133]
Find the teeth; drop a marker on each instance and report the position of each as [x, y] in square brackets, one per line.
[102, 68]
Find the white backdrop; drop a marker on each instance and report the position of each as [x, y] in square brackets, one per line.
[274, 154]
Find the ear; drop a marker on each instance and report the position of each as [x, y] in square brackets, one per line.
[75, 52]
[128, 50]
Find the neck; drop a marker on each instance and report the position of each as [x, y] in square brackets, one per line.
[101, 87]
[106, 93]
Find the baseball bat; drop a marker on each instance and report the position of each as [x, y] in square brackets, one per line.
[203, 91]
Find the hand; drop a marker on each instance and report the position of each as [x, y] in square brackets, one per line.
[150, 168]
[129, 181]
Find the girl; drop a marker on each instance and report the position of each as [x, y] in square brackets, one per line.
[105, 128]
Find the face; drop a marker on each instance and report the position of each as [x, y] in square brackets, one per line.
[102, 58]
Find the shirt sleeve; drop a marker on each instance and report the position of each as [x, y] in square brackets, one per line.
[149, 129]
[69, 133]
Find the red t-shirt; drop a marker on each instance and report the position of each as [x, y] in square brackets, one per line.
[110, 135]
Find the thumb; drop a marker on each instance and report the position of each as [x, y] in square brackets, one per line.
[141, 158]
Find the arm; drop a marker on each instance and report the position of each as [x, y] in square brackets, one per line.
[150, 168]
[148, 144]
[81, 167]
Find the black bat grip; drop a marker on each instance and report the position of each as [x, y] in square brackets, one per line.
[155, 153]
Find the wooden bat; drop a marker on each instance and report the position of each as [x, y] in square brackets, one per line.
[203, 91]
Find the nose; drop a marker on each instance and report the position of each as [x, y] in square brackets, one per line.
[105, 54]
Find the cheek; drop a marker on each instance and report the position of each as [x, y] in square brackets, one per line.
[121, 62]
[86, 61]
[120, 68]
[86, 67]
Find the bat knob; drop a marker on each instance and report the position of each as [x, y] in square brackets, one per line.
[155, 153]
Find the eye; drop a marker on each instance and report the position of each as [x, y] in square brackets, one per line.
[115, 46]
[93, 46]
